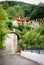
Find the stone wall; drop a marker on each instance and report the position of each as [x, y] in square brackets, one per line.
[11, 43]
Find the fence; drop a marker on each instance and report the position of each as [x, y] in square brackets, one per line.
[39, 51]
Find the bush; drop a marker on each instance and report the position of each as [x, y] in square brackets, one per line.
[33, 39]
[9, 24]
[2, 36]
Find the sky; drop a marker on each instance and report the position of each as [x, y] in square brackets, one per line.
[28, 1]
[32, 1]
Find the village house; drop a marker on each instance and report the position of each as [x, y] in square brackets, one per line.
[24, 21]
[33, 23]
[17, 21]
[11, 43]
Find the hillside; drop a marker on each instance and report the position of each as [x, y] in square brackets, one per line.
[20, 9]
[41, 4]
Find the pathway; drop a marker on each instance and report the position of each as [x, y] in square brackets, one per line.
[17, 60]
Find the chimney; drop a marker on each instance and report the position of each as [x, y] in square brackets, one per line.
[19, 18]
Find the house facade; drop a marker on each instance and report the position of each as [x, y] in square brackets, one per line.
[17, 21]
[23, 21]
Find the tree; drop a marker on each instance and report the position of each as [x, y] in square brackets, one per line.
[15, 11]
[33, 39]
[20, 43]
[19, 11]
[26, 12]
[11, 12]
[3, 17]
[33, 14]
[40, 12]
[5, 5]
[2, 35]
[37, 11]
[9, 25]
[20, 27]
[41, 29]
[3, 14]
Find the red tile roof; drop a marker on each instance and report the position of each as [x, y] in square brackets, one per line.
[21, 19]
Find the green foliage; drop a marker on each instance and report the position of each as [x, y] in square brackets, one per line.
[20, 43]
[40, 12]
[2, 35]
[5, 5]
[11, 12]
[15, 11]
[27, 27]
[18, 32]
[19, 11]
[3, 17]
[33, 14]
[3, 14]
[33, 39]
[21, 27]
[41, 29]
[37, 11]
[9, 25]
[26, 13]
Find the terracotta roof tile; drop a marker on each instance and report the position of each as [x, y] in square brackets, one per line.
[21, 19]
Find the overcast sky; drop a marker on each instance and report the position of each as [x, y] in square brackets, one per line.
[28, 1]
[32, 1]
